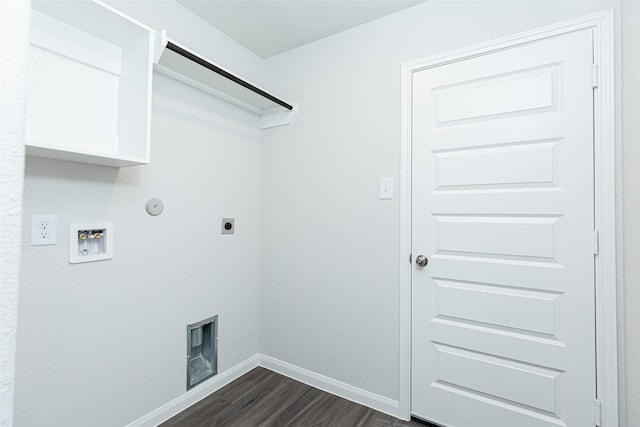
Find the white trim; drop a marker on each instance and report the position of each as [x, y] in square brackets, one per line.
[404, 338]
[321, 382]
[279, 116]
[606, 165]
[605, 215]
[363, 397]
[196, 394]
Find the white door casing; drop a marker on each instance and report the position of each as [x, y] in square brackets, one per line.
[605, 207]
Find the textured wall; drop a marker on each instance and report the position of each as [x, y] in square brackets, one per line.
[14, 32]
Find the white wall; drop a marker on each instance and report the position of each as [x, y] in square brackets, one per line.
[14, 33]
[631, 190]
[330, 272]
[104, 343]
[192, 31]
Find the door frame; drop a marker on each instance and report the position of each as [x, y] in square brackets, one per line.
[606, 165]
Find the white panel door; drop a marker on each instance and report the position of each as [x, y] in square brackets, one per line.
[503, 319]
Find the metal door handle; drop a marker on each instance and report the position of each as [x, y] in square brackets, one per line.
[422, 261]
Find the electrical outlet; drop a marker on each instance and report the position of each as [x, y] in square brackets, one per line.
[44, 230]
[228, 225]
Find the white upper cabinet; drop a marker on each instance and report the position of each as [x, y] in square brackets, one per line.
[88, 84]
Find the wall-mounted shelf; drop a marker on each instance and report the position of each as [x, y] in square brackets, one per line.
[88, 84]
[188, 66]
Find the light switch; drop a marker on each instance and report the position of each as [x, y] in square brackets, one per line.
[386, 188]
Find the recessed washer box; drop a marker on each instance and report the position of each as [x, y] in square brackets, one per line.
[202, 351]
[90, 242]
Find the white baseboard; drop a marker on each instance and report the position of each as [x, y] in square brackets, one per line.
[349, 392]
[338, 388]
[196, 394]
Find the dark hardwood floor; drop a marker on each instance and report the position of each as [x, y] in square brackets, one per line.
[264, 398]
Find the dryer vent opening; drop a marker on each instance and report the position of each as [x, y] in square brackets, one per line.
[202, 351]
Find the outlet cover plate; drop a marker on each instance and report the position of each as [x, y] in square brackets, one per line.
[228, 226]
[44, 230]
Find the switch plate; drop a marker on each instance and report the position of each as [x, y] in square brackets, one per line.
[386, 188]
[44, 230]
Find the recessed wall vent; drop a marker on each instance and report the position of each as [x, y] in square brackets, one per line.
[202, 351]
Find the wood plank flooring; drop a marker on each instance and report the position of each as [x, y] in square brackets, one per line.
[262, 398]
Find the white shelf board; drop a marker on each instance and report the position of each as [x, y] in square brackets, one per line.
[100, 159]
[186, 70]
[93, 17]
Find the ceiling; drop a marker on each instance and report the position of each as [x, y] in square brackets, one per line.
[270, 27]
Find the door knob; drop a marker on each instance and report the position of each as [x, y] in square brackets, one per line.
[422, 260]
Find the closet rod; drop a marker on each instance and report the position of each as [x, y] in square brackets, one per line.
[228, 75]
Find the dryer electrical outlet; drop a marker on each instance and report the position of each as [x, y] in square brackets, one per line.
[228, 226]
